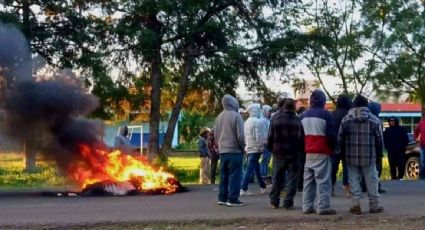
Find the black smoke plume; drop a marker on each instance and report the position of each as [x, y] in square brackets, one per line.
[48, 116]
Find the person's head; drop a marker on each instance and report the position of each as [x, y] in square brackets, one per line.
[289, 105]
[392, 121]
[204, 132]
[124, 131]
[266, 111]
[230, 103]
[317, 99]
[375, 108]
[254, 110]
[281, 102]
[344, 102]
[360, 101]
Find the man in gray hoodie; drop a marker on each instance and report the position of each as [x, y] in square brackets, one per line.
[230, 138]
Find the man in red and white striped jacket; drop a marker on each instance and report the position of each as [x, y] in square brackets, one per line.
[320, 139]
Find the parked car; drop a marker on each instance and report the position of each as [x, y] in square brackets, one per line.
[412, 161]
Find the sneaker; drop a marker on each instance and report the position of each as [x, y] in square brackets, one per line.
[356, 209]
[327, 212]
[274, 205]
[235, 204]
[263, 190]
[245, 193]
[381, 190]
[221, 203]
[309, 211]
[376, 210]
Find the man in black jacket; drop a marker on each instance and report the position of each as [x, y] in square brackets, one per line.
[286, 140]
[395, 141]
[343, 105]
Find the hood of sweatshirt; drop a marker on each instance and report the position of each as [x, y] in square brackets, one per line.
[375, 108]
[230, 103]
[265, 111]
[317, 99]
[344, 102]
[360, 114]
[254, 110]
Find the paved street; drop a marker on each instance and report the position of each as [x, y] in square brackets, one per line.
[404, 198]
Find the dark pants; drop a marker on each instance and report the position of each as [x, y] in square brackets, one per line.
[230, 177]
[280, 166]
[252, 166]
[396, 162]
[214, 162]
[336, 158]
[301, 171]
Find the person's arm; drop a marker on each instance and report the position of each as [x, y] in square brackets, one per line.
[386, 139]
[240, 132]
[301, 136]
[341, 137]
[330, 131]
[270, 137]
[259, 133]
[379, 140]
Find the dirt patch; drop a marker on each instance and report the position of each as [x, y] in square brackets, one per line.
[341, 222]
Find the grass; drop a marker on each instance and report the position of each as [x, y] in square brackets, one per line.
[12, 174]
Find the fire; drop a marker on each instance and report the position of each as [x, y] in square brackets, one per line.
[99, 165]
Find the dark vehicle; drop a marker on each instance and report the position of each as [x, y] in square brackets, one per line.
[412, 161]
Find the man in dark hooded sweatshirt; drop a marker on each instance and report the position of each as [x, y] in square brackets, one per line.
[359, 137]
[230, 139]
[396, 141]
[343, 105]
[320, 137]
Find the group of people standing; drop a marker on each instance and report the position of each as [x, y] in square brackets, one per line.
[314, 142]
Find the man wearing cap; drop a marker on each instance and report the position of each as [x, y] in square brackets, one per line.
[230, 138]
[204, 173]
[360, 138]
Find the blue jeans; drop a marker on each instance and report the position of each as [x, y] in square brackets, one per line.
[317, 177]
[252, 166]
[230, 177]
[265, 161]
[335, 167]
[422, 164]
[371, 177]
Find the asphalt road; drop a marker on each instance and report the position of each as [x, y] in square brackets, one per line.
[403, 199]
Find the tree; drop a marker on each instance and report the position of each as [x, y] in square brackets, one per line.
[402, 58]
[190, 38]
[343, 48]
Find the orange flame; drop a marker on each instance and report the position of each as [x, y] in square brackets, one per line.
[100, 165]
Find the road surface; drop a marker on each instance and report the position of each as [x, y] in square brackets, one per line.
[403, 199]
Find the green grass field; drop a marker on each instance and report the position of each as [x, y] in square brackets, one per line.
[12, 174]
